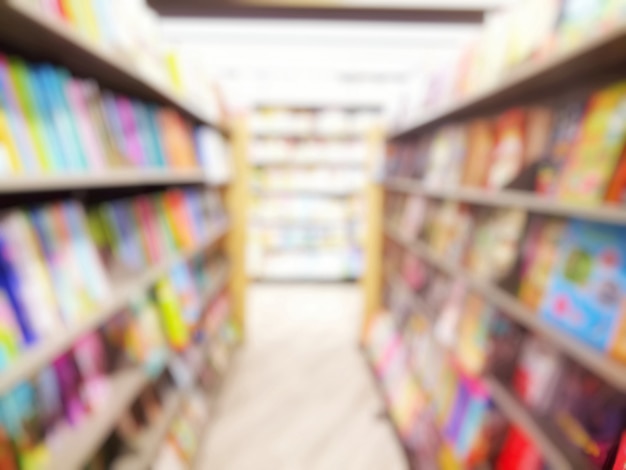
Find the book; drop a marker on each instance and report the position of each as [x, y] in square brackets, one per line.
[9, 158]
[509, 152]
[16, 118]
[480, 142]
[586, 293]
[18, 74]
[597, 148]
[539, 255]
[74, 406]
[473, 334]
[171, 315]
[519, 452]
[26, 278]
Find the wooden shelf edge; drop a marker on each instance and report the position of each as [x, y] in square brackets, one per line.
[512, 199]
[99, 180]
[584, 58]
[597, 362]
[35, 358]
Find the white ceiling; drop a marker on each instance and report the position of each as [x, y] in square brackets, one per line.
[312, 59]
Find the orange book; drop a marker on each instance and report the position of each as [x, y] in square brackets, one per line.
[509, 152]
[177, 139]
[177, 217]
[617, 187]
[479, 147]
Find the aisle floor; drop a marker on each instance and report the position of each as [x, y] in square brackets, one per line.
[299, 395]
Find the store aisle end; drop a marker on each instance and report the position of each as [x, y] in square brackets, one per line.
[299, 395]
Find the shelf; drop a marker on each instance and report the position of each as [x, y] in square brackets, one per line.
[596, 361]
[25, 28]
[512, 199]
[74, 448]
[148, 445]
[506, 401]
[322, 192]
[595, 56]
[523, 418]
[107, 179]
[408, 452]
[33, 359]
[306, 135]
[304, 163]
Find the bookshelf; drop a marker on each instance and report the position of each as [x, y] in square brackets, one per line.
[31, 32]
[173, 214]
[597, 55]
[294, 151]
[423, 247]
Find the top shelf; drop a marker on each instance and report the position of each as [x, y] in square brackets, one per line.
[596, 56]
[28, 31]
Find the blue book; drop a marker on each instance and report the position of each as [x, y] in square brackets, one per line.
[155, 133]
[114, 123]
[43, 104]
[60, 78]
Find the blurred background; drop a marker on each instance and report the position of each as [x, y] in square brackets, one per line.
[300, 234]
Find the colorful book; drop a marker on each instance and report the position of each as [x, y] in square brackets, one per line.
[598, 146]
[586, 295]
[16, 118]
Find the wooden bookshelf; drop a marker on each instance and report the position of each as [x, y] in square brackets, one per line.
[594, 58]
[149, 442]
[609, 369]
[525, 200]
[108, 179]
[76, 445]
[33, 359]
[26, 29]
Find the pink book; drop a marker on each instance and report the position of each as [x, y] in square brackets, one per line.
[77, 101]
[128, 125]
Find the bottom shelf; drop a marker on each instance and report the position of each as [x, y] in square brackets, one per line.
[76, 445]
[408, 452]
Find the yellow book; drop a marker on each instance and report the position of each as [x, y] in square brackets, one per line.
[9, 157]
[87, 19]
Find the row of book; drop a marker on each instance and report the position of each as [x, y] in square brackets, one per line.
[548, 149]
[58, 264]
[308, 209]
[315, 179]
[445, 411]
[53, 122]
[331, 122]
[274, 150]
[571, 273]
[35, 414]
[527, 32]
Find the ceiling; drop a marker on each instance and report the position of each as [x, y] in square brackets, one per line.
[319, 50]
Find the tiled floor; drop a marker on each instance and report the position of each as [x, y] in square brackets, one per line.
[299, 395]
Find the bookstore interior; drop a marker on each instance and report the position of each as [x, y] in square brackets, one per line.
[462, 163]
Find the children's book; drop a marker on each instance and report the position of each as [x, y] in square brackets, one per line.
[509, 152]
[598, 146]
[480, 142]
[539, 255]
[16, 119]
[19, 76]
[586, 295]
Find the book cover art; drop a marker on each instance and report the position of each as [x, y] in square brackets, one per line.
[509, 152]
[16, 119]
[587, 292]
[27, 279]
[539, 256]
[480, 143]
[19, 76]
[473, 334]
[597, 148]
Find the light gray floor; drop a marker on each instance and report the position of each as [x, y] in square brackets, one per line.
[299, 395]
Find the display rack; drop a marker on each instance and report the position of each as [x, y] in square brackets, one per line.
[305, 255]
[588, 64]
[26, 30]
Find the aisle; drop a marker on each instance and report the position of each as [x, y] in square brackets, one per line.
[299, 396]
